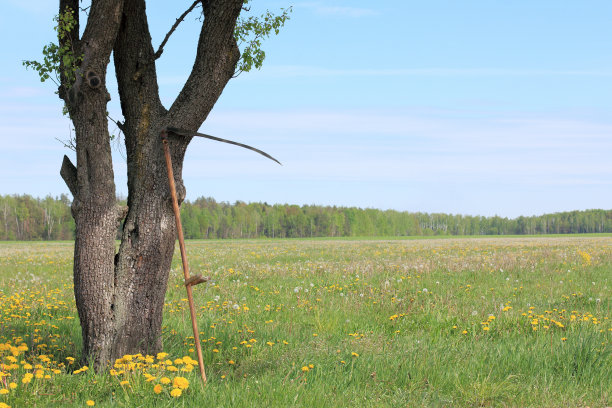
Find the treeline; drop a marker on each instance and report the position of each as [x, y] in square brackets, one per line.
[207, 218]
[27, 218]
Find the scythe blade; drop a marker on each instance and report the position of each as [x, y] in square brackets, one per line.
[187, 133]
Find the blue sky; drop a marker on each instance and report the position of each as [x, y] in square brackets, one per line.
[476, 107]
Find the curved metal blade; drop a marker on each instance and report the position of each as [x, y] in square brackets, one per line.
[186, 133]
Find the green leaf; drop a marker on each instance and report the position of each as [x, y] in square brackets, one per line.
[250, 31]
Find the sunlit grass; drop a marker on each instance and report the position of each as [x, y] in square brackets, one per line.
[453, 322]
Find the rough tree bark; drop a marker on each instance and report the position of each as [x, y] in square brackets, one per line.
[120, 295]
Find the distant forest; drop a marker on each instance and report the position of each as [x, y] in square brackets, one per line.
[26, 218]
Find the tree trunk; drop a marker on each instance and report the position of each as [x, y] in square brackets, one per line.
[120, 296]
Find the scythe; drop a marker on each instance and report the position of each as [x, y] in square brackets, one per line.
[195, 279]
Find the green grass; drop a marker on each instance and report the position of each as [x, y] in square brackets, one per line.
[454, 322]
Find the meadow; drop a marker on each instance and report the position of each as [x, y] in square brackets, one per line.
[517, 322]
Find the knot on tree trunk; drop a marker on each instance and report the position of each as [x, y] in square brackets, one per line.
[93, 79]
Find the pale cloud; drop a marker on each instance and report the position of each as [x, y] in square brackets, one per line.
[343, 11]
[349, 156]
[306, 71]
[408, 147]
[34, 6]
[23, 92]
[291, 71]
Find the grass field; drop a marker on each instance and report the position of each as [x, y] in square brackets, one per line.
[333, 323]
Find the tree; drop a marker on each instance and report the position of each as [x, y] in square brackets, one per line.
[120, 294]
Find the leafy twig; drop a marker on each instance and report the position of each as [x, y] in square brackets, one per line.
[251, 31]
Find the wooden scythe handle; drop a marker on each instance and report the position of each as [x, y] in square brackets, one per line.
[189, 282]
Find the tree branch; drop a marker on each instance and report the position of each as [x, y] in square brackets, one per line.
[69, 174]
[73, 37]
[94, 46]
[135, 64]
[160, 50]
[217, 55]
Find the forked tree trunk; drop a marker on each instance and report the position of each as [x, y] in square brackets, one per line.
[120, 295]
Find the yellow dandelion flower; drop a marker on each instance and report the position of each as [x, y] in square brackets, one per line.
[305, 369]
[165, 380]
[157, 389]
[90, 403]
[12, 385]
[176, 392]
[354, 354]
[180, 382]
[4, 391]
[3, 405]
[161, 356]
[124, 382]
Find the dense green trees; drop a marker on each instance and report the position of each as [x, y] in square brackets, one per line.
[27, 218]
